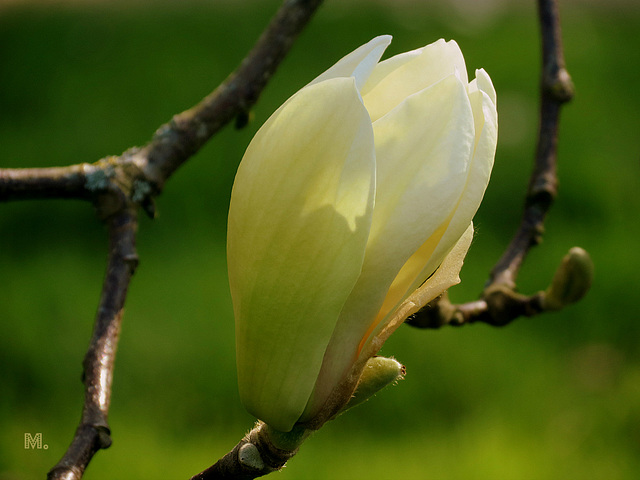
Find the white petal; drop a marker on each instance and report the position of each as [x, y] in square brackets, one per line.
[443, 278]
[423, 149]
[299, 219]
[384, 68]
[359, 63]
[435, 62]
[446, 276]
[430, 255]
[486, 127]
[485, 84]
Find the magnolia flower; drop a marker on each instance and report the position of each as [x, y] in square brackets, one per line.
[354, 192]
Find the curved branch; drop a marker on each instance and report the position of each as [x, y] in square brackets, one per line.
[118, 186]
[176, 141]
[556, 88]
[500, 303]
[93, 432]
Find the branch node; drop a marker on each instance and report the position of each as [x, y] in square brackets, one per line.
[132, 261]
[560, 86]
[104, 436]
[274, 458]
[505, 305]
[141, 189]
[541, 194]
[249, 456]
[98, 177]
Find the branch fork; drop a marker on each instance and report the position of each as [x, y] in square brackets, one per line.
[119, 186]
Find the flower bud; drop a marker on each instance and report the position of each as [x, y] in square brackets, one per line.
[378, 372]
[346, 206]
[571, 281]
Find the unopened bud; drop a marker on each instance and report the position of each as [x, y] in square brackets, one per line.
[571, 281]
[377, 374]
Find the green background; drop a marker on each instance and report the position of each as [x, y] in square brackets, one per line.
[552, 397]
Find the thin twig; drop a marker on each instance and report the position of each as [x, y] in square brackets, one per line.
[119, 185]
[498, 310]
[175, 142]
[254, 456]
[500, 303]
[555, 89]
[93, 432]
[55, 182]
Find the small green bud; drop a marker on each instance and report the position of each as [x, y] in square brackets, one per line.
[377, 374]
[571, 281]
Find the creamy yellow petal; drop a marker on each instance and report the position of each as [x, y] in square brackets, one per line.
[299, 220]
[384, 68]
[435, 62]
[485, 117]
[410, 274]
[429, 256]
[446, 276]
[485, 84]
[423, 149]
[443, 278]
[359, 63]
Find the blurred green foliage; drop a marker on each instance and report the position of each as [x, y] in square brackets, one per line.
[553, 397]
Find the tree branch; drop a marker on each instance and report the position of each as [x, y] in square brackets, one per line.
[93, 432]
[500, 303]
[55, 182]
[556, 88]
[119, 185]
[260, 452]
[176, 141]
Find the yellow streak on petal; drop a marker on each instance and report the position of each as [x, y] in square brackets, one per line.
[443, 278]
[405, 277]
